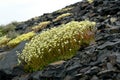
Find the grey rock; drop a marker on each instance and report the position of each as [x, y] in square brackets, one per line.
[94, 78]
[9, 62]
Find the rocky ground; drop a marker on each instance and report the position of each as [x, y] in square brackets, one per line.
[99, 61]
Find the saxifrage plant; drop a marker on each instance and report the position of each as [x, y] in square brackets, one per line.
[20, 38]
[55, 44]
[40, 26]
[62, 16]
[3, 41]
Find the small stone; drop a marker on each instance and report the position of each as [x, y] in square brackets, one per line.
[110, 66]
[118, 58]
[106, 73]
[113, 19]
[57, 63]
[73, 67]
[92, 71]
[2, 56]
[114, 30]
[23, 77]
[84, 69]
[68, 78]
[78, 75]
[35, 75]
[94, 78]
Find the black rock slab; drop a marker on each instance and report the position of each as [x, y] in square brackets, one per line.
[9, 62]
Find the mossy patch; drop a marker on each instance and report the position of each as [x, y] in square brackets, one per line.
[23, 37]
[40, 26]
[62, 16]
[58, 43]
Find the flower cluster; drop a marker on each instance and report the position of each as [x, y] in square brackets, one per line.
[65, 9]
[20, 38]
[3, 41]
[56, 44]
[90, 1]
[40, 26]
[62, 16]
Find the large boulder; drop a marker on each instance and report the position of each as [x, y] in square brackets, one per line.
[9, 62]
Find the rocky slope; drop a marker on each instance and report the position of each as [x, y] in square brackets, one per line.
[99, 61]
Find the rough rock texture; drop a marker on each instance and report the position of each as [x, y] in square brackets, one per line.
[9, 62]
[99, 61]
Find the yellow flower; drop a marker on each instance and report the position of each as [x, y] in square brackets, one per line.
[20, 38]
[56, 44]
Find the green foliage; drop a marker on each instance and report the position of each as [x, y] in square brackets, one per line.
[12, 34]
[90, 1]
[20, 38]
[5, 29]
[3, 41]
[1, 33]
[56, 44]
[8, 27]
[40, 26]
[62, 16]
[65, 9]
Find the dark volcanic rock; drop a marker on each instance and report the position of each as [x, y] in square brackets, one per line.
[4, 76]
[9, 62]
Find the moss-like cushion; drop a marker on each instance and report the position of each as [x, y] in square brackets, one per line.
[40, 26]
[62, 16]
[56, 44]
[21, 38]
[3, 41]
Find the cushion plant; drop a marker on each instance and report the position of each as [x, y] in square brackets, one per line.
[64, 9]
[40, 26]
[3, 41]
[21, 38]
[55, 44]
[90, 1]
[62, 16]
